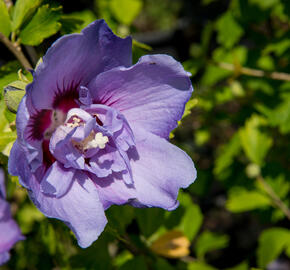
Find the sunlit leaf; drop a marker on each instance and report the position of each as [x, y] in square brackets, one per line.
[23, 10]
[43, 24]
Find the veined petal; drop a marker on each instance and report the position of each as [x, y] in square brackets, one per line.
[80, 208]
[74, 60]
[159, 170]
[151, 94]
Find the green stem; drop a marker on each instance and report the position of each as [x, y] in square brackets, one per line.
[275, 198]
[254, 72]
[16, 50]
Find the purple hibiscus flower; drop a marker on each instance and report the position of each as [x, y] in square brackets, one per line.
[9, 230]
[93, 131]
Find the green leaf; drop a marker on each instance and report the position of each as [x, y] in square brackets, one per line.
[241, 200]
[5, 23]
[149, 220]
[136, 263]
[126, 11]
[122, 258]
[43, 24]
[13, 93]
[265, 4]
[241, 266]
[94, 257]
[120, 217]
[28, 215]
[189, 106]
[200, 266]
[209, 241]
[226, 154]
[192, 218]
[279, 116]
[255, 142]
[76, 21]
[271, 243]
[214, 74]
[162, 264]
[229, 31]
[278, 47]
[22, 11]
[6, 138]
[8, 73]
[280, 185]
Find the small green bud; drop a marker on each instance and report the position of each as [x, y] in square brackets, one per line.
[13, 93]
[253, 170]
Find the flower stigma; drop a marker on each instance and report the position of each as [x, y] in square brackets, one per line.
[99, 141]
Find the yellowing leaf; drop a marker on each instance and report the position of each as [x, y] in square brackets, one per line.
[173, 244]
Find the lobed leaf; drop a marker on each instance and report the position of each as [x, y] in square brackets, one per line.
[22, 11]
[43, 24]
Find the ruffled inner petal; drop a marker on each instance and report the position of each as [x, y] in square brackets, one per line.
[57, 180]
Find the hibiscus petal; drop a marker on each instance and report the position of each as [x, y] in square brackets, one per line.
[2, 185]
[18, 165]
[4, 257]
[57, 180]
[151, 94]
[80, 208]
[159, 170]
[9, 234]
[74, 60]
[113, 190]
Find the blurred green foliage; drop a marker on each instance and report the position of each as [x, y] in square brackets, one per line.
[236, 215]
